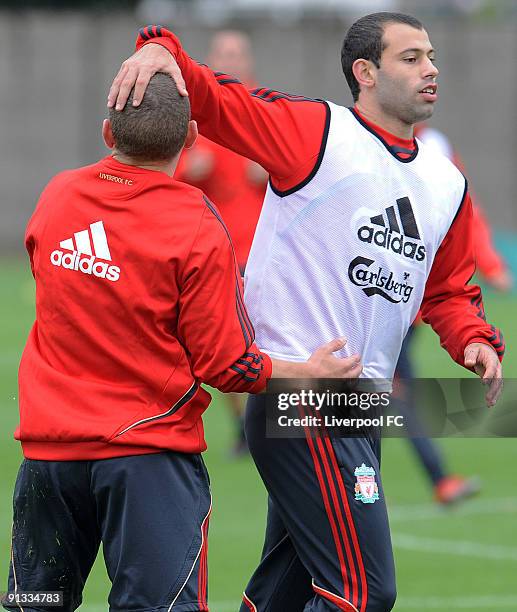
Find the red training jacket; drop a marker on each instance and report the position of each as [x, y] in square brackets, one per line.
[138, 301]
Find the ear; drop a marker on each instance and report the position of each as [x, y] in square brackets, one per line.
[107, 134]
[364, 72]
[192, 134]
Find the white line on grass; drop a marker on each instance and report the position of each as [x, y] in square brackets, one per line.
[424, 512]
[454, 547]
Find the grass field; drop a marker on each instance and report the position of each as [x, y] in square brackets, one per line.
[461, 560]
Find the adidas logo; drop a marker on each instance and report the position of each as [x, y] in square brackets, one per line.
[406, 242]
[87, 246]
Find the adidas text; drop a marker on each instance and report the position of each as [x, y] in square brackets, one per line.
[86, 264]
[392, 241]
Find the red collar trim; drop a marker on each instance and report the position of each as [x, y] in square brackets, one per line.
[391, 139]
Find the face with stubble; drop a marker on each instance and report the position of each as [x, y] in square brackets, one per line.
[406, 79]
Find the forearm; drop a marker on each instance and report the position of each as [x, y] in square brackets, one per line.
[459, 321]
[282, 133]
[290, 369]
[234, 379]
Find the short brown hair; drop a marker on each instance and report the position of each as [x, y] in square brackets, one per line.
[364, 40]
[155, 130]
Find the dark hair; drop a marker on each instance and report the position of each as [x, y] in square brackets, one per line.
[155, 130]
[364, 41]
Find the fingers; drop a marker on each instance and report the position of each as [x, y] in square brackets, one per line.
[495, 385]
[122, 85]
[137, 71]
[491, 364]
[353, 370]
[471, 356]
[485, 362]
[115, 86]
[494, 391]
[323, 364]
[347, 367]
[175, 73]
[479, 370]
[142, 80]
[331, 347]
[138, 76]
[350, 362]
[127, 84]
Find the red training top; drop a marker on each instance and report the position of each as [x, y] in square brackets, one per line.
[138, 301]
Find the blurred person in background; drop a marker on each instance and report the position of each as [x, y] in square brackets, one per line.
[489, 262]
[448, 488]
[237, 185]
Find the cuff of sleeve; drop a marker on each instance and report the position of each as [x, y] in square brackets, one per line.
[166, 39]
[261, 383]
[477, 339]
[169, 44]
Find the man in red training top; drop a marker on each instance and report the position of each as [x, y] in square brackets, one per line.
[138, 301]
[235, 183]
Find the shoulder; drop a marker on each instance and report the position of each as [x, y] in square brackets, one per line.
[191, 206]
[186, 197]
[59, 185]
[436, 160]
[79, 176]
[62, 179]
[447, 182]
[348, 129]
[213, 216]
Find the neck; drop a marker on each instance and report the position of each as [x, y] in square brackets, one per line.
[390, 124]
[168, 167]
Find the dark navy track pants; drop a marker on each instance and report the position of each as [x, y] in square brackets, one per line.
[327, 544]
[150, 512]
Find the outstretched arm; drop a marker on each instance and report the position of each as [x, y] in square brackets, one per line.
[285, 134]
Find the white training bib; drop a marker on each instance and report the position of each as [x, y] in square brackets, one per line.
[348, 254]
